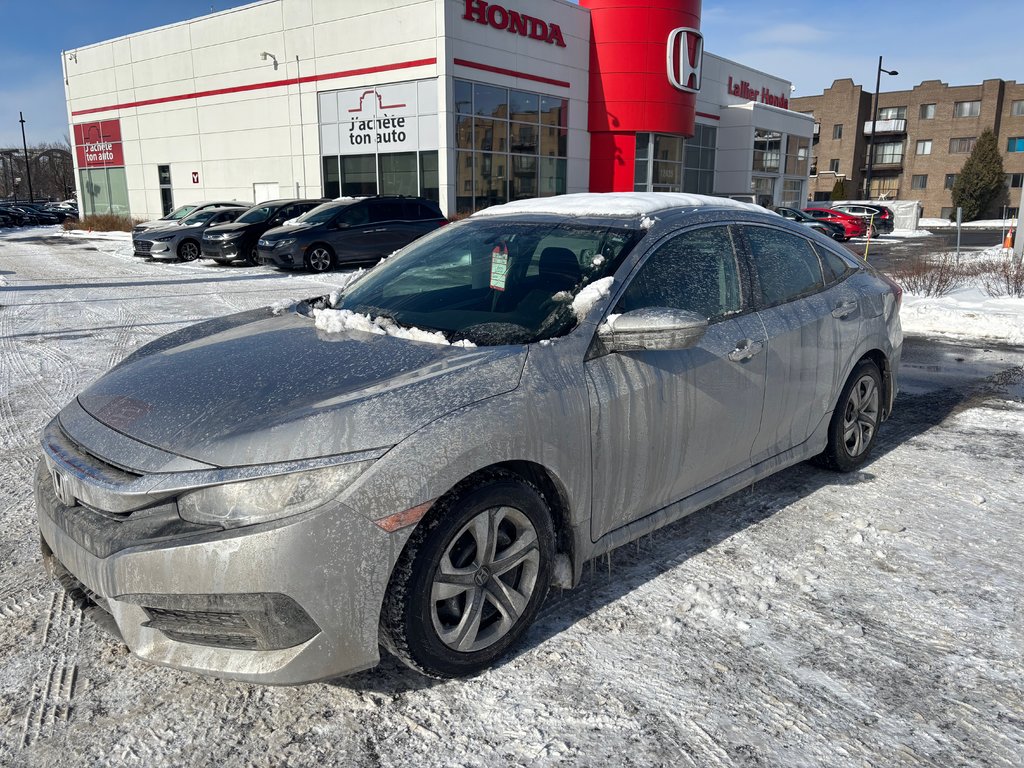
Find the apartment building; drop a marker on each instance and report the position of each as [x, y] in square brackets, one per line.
[921, 139]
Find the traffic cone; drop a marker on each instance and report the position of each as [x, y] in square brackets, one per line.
[1008, 241]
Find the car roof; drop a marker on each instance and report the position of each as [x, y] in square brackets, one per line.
[614, 204]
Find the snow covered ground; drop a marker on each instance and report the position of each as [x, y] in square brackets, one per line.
[814, 620]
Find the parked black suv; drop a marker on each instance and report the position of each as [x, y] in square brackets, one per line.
[351, 230]
[237, 241]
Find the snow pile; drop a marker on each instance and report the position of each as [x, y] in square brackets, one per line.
[282, 306]
[590, 295]
[647, 222]
[343, 320]
[979, 224]
[97, 235]
[966, 313]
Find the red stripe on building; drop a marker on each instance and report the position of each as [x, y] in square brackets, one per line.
[260, 86]
[709, 117]
[511, 73]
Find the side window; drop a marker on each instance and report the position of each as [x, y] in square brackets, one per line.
[386, 210]
[832, 265]
[223, 218]
[786, 264]
[354, 215]
[696, 271]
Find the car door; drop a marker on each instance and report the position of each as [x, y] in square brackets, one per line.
[390, 227]
[807, 323]
[666, 424]
[350, 233]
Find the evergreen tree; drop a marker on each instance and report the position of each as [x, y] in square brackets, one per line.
[839, 190]
[981, 184]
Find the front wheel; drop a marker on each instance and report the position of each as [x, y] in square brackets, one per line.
[471, 578]
[188, 250]
[854, 425]
[320, 258]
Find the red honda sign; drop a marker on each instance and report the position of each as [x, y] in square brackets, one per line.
[98, 145]
[500, 17]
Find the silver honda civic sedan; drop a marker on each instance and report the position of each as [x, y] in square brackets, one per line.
[411, 463]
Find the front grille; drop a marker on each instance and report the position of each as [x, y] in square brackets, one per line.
[143, 246]
[94, 607]
[237, 642]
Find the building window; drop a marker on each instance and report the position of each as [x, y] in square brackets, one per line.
[797, 150]
[1015, 144]
[892, 113]
[967, 109]
[792, 193]
[510, 145]
[104, 190]
[833, 165]
[837, 131]
[962, 146]
[1015, 180]
[163, 172]
[1017, 108]
[924, 147]
[767, 151]
[699, 160]
[927, 112]
[950, 181]
[919, 181]
[889, 153]
[884, 187]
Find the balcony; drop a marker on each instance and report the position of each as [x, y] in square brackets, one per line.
[886, 126]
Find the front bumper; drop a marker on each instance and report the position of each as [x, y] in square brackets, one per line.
[316, 579]
[223, 250]
[283, 258]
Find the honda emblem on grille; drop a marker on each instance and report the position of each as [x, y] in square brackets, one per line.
[684, 69]
[62, 488]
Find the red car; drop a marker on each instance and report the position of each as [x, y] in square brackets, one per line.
[855, 226]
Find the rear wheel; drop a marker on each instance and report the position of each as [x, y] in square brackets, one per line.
[471, 578]
[854, 425]
[188, 250]
[320, 258]
[252, 256]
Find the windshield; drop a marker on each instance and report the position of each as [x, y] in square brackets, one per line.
[180, 213]
[493, 282]
[199, 217]
[320, 214]
[256, 215]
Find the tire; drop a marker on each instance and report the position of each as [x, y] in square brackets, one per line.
[460, 622]
[854, 425]
[188, 250]
[252, 256]
[320, 258]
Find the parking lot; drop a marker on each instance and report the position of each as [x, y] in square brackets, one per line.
[815, 619]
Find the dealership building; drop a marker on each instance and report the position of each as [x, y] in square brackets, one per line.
[468, 102]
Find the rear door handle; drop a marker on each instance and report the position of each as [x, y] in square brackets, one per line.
[844, 310]
[745, 350]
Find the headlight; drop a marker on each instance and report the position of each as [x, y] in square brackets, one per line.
[284, 243]
[164, 239]
[221, 235]
[267, 498]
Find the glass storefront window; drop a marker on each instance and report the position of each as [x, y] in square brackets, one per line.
[430, 186]
[668, 148]
[767, 151]
[332, 177]
[398, 174]
[515, 148]
[490, 101]
[104, 190]
[797, 153]
[358, 175]
[792, 193]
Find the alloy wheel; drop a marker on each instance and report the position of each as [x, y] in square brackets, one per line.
[860, 417]
[320, 259]
[188, 251]
[485, 579]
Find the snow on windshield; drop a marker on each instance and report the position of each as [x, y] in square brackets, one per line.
[621, 204]
[343, 320]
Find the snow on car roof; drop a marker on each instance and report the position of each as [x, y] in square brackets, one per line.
[614, 204]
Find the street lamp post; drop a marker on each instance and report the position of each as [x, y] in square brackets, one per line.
[874, 119]
[24, 146]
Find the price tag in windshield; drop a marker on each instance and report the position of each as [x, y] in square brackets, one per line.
[499, 267]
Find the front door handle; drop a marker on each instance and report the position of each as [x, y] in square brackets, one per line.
[844, 310]
[745, 350]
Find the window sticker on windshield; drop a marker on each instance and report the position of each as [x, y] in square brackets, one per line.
[499, 267]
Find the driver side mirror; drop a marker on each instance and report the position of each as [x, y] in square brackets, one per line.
[654, 329]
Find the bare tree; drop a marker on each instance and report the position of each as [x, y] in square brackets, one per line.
[53, 172]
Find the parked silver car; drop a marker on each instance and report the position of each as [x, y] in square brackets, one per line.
[271, 496]
[182, 240]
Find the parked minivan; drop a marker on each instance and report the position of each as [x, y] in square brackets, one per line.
[355, 229]
[237, 241]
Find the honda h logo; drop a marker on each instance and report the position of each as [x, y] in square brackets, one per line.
[685, 55]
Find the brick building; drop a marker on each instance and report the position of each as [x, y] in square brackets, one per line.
[922, 138]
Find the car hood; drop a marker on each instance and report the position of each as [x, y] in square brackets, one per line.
[232, 226]
[257, 388]
[287, 230]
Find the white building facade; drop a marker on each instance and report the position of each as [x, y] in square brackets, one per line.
[463, 101]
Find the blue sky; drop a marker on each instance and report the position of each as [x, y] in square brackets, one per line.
[810, 44]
